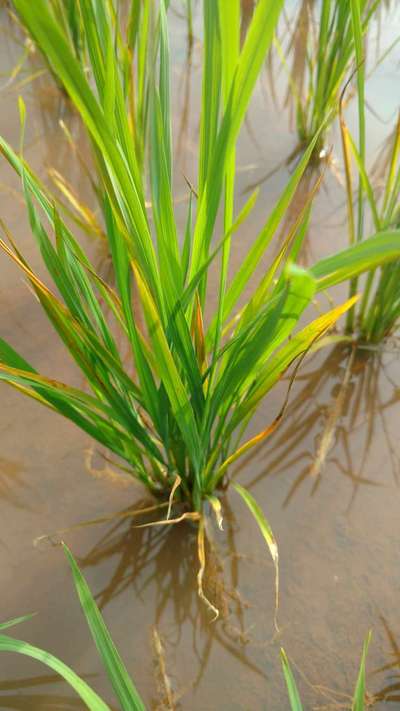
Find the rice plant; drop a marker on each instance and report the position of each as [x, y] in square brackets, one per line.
[323, 52]
[379, 310]
[177, 411]
[124, 688]
[378, 313]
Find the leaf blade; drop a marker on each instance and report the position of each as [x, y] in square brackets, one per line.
[116, 671]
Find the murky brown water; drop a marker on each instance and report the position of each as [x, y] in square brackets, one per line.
[337, 524]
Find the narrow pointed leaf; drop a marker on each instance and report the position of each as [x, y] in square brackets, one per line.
[294, 697]
[123, 686]
[89, 697]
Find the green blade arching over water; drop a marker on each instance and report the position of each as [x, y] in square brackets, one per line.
[91, 699]
[123, 686]
[365, 256]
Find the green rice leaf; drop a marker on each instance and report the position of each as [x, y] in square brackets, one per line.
[120, 172]
[259, 516]
[258, 248]
[364, 256]
[257, 43]
[294, 697]
[16, 621]
[211, 91]
[123, 686]
[298, 291]
[168, 372]
[359, 694]
[88, 696]
[269, 374]
[9, 356]
[267, 534]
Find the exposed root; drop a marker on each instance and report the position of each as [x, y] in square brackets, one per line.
[187, 516]
[51, 538]
[177, 483]
[217, 508]
[200, 574]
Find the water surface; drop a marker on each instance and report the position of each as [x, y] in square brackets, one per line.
[335, 516]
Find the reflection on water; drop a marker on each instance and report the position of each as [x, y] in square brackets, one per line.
[13, 483]
[390, 692]
[359, 394]
[41, 702]
[164, 563]
[36, 699]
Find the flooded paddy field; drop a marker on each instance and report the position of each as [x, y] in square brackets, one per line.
[328, 478]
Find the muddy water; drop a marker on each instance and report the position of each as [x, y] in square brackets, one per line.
[335, 516]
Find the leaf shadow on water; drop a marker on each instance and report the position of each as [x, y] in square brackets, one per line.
[13, 484]
[390, 692]
[353, 407]
[21, 701]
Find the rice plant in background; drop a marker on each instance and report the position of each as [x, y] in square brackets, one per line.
[134, 33]
[124, 689]
[322, 44]
[177, 411]
[378, 312]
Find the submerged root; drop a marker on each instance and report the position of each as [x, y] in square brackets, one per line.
[335, 413]
[210, 575]
[214, 591]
